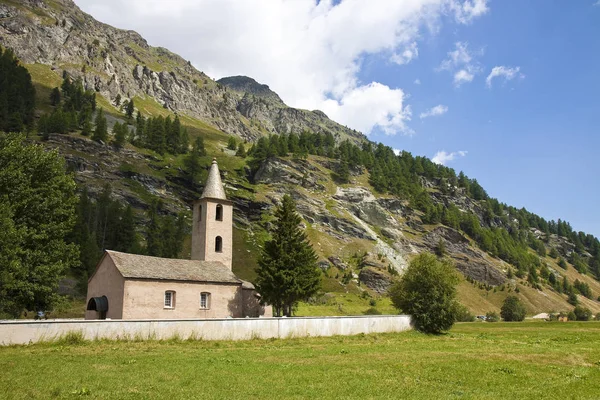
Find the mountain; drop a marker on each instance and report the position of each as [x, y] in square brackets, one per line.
[366, 210]
[247, 85]
[57, 36]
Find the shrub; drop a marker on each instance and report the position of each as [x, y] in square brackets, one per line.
[598, 317]
[463, 314]
[492, 316]
[512, 309]
[571, 316]
[572, 300]
[582, 313]
[372, 311]
[427, 291]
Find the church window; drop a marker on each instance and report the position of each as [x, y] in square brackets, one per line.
[219, 216]
[218, 244]
[199, 213]
[169, 299]
[205, 300]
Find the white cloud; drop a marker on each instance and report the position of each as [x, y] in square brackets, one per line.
[442, 157]
[418, 81]
[397, 151]
[435, 111]
[467, 11]
[373, 105]
[309, 52]
[462, 63]
[507, 73]
[410, 52]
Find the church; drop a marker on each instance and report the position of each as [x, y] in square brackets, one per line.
[131, 286]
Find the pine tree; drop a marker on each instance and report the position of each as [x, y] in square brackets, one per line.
[86, 126]
[100, 131]
[129, 108]
[241, 150]
[120, 131]
[154, 240]
[192, 162]
[287, 271]
[232, 143]
[55, 96]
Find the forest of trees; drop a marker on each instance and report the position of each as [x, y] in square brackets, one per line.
[503, 231]
[106, 224]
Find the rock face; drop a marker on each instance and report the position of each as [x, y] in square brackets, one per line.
[118, 62]
[470, 261]
[375, 280]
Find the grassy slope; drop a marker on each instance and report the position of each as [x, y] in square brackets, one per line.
[346, 299]
[474, 361]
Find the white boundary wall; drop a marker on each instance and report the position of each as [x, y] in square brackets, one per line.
[24, 332]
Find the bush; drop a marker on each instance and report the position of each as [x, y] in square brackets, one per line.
[463, 314]
[427, 291]
[598, 317]
[582, 313]
[492, 316]
[512, 309]
[572, 300]
[372, 311]
[571, 316]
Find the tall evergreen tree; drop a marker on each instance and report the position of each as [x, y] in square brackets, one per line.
[130, 108]
[100, 131]
[287, 271]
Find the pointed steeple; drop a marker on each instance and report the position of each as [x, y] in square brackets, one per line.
[214, 187]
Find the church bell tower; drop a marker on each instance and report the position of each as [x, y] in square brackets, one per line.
[213, 222]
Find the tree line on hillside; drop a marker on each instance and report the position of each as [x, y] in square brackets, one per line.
[105, 224]
[402, 175]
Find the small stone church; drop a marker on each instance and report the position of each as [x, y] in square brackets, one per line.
[131, 286]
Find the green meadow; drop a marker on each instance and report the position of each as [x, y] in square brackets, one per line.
[531, 360]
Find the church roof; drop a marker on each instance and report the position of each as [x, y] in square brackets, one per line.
[214, 187]
[146, 267]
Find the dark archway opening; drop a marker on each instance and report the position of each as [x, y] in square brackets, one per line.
[98, 304]
[218, 244]
[219, 212]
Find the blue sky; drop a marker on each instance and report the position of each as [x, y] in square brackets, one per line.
[531, 142]
[529, 137]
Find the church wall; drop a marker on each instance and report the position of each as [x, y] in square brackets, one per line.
[144, 299]
[107, 281]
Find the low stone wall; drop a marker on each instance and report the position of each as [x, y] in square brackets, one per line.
[20, 332]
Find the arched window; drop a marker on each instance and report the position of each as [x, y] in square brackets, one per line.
[218, 244]
[170, 299]
[199, 212]
[205, 300]
[219, 215]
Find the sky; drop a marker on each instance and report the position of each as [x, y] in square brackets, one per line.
[507, 91]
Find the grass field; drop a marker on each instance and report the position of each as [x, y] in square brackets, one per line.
[535, 360]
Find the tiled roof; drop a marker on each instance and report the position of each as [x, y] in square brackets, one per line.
[146, 267]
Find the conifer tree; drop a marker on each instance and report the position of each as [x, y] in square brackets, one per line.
[241, 150]
[55, 96]
[287, 271]
[120, 131]
[129, 108]
[154, 240]
[192, 162]
[100, 131]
